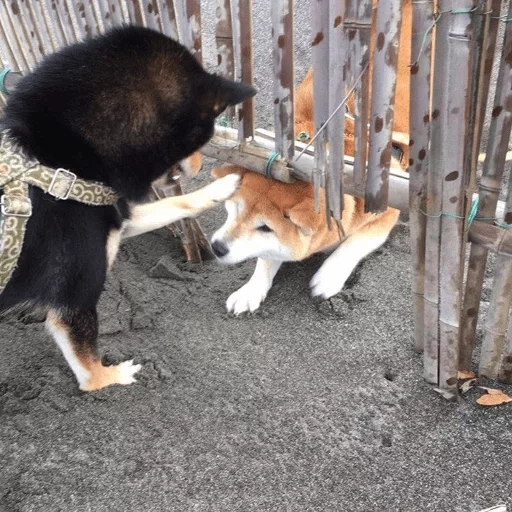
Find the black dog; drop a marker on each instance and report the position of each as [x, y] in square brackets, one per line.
[120, 109]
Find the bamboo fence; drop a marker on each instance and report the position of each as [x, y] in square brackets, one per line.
[453, 207]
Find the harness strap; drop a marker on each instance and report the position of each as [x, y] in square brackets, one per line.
[63, 184]
[17, 172]
[16, 209]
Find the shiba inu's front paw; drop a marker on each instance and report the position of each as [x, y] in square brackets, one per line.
[224, 188]
[103, 376]
[327, 282]
[246, 299]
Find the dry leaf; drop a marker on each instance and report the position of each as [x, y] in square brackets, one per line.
[463, 375]
[467, 386]
[495, 398]
[491, 391]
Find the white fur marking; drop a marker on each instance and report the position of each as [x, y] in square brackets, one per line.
[336, 269]
[61, 337]
[127, 370]
[113, 240]
[151, 216]
[250, 296]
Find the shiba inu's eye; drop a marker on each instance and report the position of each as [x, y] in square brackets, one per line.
[264, 228]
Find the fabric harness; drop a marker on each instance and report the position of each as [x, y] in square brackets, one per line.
[17, 172]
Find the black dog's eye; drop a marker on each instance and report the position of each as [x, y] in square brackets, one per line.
[264, 228]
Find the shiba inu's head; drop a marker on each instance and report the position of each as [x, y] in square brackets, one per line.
[266, 219]
[121, 108]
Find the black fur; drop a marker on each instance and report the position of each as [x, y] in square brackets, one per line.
[122, 109]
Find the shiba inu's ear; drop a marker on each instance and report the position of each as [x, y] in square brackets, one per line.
[303, 215]
[221, 93]
[220, 172]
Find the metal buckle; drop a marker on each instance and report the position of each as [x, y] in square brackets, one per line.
[4, 208]
[69, 175]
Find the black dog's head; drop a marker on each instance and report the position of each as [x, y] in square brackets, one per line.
[121, 108]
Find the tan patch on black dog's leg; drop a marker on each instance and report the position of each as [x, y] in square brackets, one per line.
[76, 334]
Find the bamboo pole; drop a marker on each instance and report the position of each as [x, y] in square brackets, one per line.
[188, 17]
[320, 44]
[505, 374]
[492, 238]
[20, 38]
[388, 22]
[455, 42]
[188, 230]
[74, 16]
[244, 28]
[62, 16]
[168, 19]
[490, 183]
[487, 43]
[284, 76]
[434, 189]
[336, 126]
[225, 47]
[194, 26]
[254, 155]
[498, 316]
[357, 24]
[421, 51]
[9, 51]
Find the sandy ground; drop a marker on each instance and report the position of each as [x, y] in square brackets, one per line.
[303, 406]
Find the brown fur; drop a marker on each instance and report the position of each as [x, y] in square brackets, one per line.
[304, 95]
[286, 206]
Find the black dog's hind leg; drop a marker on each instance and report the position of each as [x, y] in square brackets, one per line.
[76, 334]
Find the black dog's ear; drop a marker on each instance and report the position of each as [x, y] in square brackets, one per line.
[235, 92]
[221, 93]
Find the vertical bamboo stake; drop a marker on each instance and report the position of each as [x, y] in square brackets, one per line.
[75, 19]
[194, 26]
[246, 112]
[506, 364]
[116, 12]
[191, 234]
[225, 48]
[451, 106]
[389, 17]
[320, 44]
[336, 126]
[421, 51]
[62, 16]
[487, 46]
[284, 76]
[434, 188]
[10, 53]
[21, 37]
[499, 134]
[168, 19]
[358, 26]
[495, 325]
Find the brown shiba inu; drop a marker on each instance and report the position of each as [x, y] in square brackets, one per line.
[276, 222]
